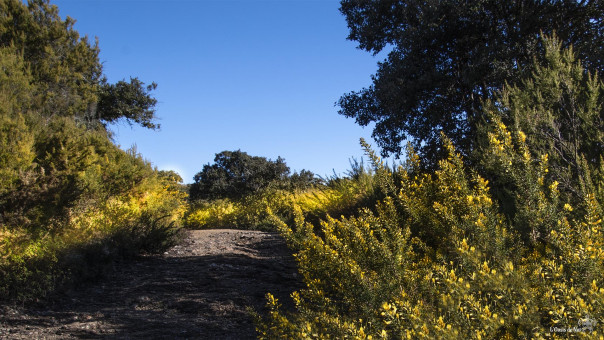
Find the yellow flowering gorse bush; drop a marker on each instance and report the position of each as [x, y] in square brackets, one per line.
[437, 260]
[143, 219]
[257, 211]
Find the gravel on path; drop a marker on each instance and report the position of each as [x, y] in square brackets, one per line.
[199, 289]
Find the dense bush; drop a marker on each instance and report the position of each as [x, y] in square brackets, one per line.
[34, 262]
[339, 196]
[71, 202]
[451, 255]
[560, 111]
[257, 211]
[42, 251]
[438, 260]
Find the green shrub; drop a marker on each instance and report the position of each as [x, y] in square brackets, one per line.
[71, 202]
[83, 246]
[557, 112]
[438, 260]
[512, 247]
[342, 196]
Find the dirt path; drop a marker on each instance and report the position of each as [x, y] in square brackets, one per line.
[199, 289]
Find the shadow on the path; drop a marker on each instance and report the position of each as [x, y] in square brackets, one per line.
[182, 297]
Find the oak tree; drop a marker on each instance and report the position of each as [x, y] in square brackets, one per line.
[446, 57]
[235, 174]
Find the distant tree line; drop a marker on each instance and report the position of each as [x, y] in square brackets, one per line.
[235, 174]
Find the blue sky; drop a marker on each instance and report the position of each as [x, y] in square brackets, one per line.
[260, 76]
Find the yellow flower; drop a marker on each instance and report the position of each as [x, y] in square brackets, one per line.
[554, 185]
[522, 136]
[526, 155]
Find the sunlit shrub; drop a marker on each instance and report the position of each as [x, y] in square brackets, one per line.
[341, 196]
[251, 212]
[211, 214]
[256, 211]
[436, 260]
[98, 230]
[506, 245]
[71, 202]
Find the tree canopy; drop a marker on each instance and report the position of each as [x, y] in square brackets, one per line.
[54, 105]
[66, 68]
[236, 174]
[130, 101]
[447, 57]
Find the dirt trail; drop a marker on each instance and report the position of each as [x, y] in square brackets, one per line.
[199, 289]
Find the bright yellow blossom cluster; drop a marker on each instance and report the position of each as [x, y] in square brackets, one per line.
[143, 219]
[437, 260]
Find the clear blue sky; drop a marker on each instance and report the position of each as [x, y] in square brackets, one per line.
[260, 76]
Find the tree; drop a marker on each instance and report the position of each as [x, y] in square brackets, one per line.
[130, 101]
[170, 176]
[235, 174]
[54, 151]
[304, 179]
[447, 57]
[16, 138]
[66, 69]
[558, 112]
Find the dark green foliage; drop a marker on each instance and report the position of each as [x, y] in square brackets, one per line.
[236, 174]
[149, 235]
[71, 202]
[558, 112]
[303, 180]
[66, 69]
[448, 56]
[130, 101]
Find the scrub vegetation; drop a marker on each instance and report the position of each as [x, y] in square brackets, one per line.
[508, 247]
[490, 228]
[277, 197]
[71, 202]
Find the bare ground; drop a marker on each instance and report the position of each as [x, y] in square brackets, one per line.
[199, 289]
